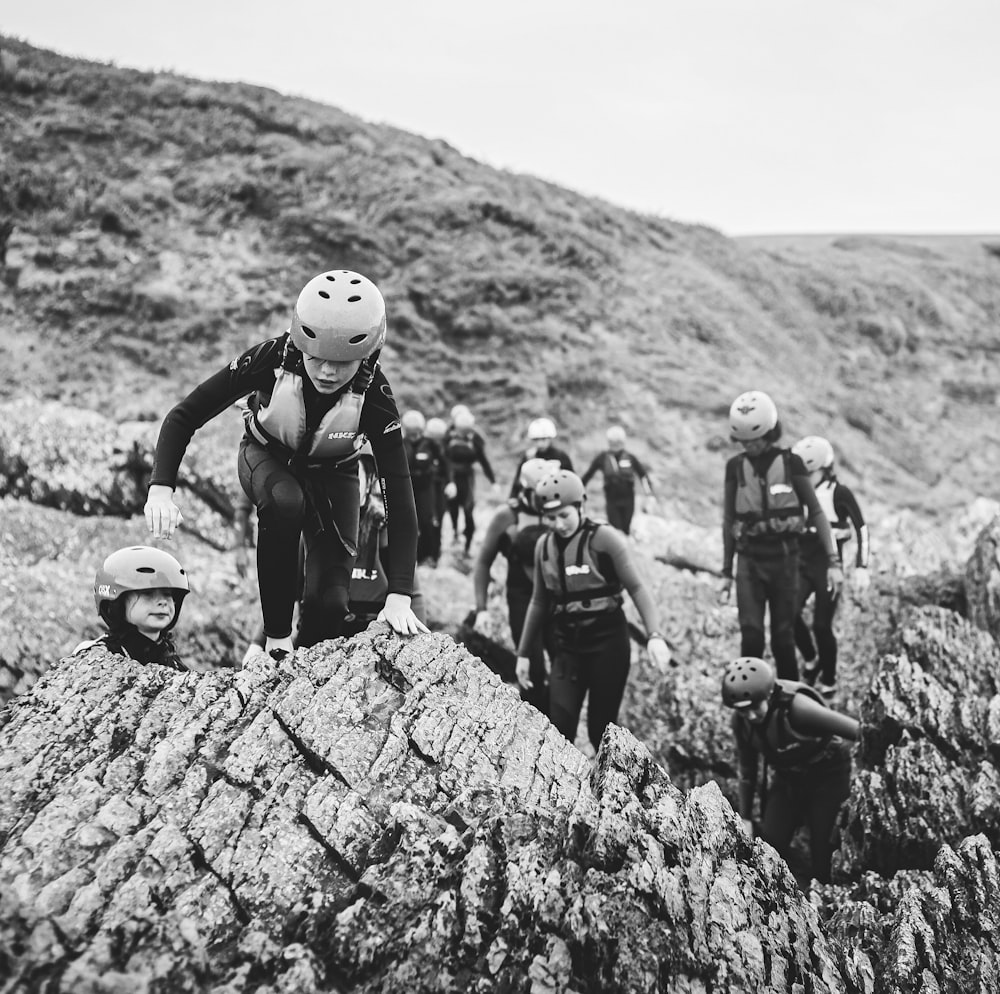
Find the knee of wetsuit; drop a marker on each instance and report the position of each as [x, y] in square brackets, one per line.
[286, 507]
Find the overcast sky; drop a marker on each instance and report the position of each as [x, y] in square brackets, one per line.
[752, 116]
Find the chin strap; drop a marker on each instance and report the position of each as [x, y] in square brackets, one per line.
[366, 373]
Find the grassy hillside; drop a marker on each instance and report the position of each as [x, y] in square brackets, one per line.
[152, 226]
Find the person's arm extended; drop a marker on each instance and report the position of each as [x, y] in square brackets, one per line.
[480, 446]
[847, 505]
[500, 522]
[538, 609]
[809, 717]
[817, 518]
[729, 518]
[595, 466]
[644, 477]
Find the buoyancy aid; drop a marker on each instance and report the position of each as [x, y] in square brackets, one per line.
[619, 473]
[461, 449]
[518, 545]
[570, 572]
[769, 505]
[279, 421]
[369, 584]
[781, 746]
[825, 493]
[422, 459]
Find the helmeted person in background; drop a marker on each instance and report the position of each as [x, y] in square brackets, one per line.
[620, 469]
[841, 509]
[541, 445]
[804, 743]
[464, 448]
[424, 457]
[316, 394]
[369, 577]
[139, 591]
[436, 431]
[766, 499]
[581, 568]
[514, 531]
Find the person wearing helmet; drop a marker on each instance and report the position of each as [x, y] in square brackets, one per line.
[541, 445]
[804, 743]
[464, 448]
[842, 511]
[513, 531]
[620, 470]
[425, 459]
[767, 497]
[436, 431]
[316, 394]
[581, 568]
[369, 577]
[138, 592]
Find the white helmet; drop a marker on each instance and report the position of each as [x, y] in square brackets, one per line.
[339, 316]
[413, 420]
[541, 430]
[752, 415]
[815, 452]
[457, 410]
[533, 471]
[464, 420]
[616, 435]
[436, 429]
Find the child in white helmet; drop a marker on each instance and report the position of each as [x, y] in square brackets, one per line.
[138, 592]
[316, 395]
[542, 434]
[620, 470]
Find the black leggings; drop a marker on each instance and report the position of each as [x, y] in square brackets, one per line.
[284, 516]
[597, 661]
[464, 500]
[813, 579]
[769, 583]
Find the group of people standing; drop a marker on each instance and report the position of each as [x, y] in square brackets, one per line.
[348, 492]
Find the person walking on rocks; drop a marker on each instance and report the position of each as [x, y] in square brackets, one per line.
[425, 458]
[464, 448]
[842, 511]
[804, 743]
[620, 470]
[542, 435]
[581, 568]
[316, 395]
[767, 497]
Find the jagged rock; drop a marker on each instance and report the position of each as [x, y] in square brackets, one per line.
[982, 578]
[376, 816]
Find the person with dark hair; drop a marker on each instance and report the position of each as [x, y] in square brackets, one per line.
[621, 471]
[139, 591]
[805, 745]
[316, 395]
[581, 569]
[767, 497]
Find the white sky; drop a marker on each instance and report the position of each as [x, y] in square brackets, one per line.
[752, 116]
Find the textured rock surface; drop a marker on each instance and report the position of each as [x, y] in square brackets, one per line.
[380, 817]
[982, 577]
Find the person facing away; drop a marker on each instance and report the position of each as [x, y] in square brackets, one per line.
[842, 511]
[513, 532]
[464, 449]
[542, 435]
[138, 592]
[620, 470]
[316, 395]
[767, 496]
[581, 568]
[805, 745]
[436, 430]
[369, 577]
[425, 459]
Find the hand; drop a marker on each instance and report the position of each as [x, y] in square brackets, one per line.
[242, 558]
[162, 514]
[522, 670]
[747, 825]
[659, 653]
[861, 579]
[725, 589]
[450, 491]
[652, 505]
[399, 616]
[834, 579]
[480, 621]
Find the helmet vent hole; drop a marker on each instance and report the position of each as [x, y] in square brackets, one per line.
[332, 279]
[353, 299]
[324, 294]
[308, 332]
[357, 339]
[355, 282]
[144, 569]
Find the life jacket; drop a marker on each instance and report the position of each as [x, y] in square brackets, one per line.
[518, 545]
[780, 745]
[825, 493]
[421, 458]
[279, 422]
[619, 473]
[369, 583]
[461, 449]
[575, 584]
[767, 506]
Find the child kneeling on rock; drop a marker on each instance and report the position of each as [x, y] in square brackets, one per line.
[138, 592]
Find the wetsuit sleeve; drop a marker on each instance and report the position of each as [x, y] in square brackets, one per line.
[593, 468]
[515, 487]
[809, 717]
[500, 522]
[847, 507]
[643, 474]
[380, 422]
[480, 447]
[817, 518]
[612, 542]
[747, 762]
[729, 517]
[538, 609]
[254, 370]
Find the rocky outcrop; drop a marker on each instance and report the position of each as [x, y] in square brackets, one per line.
[982, 577]
[376, 816]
